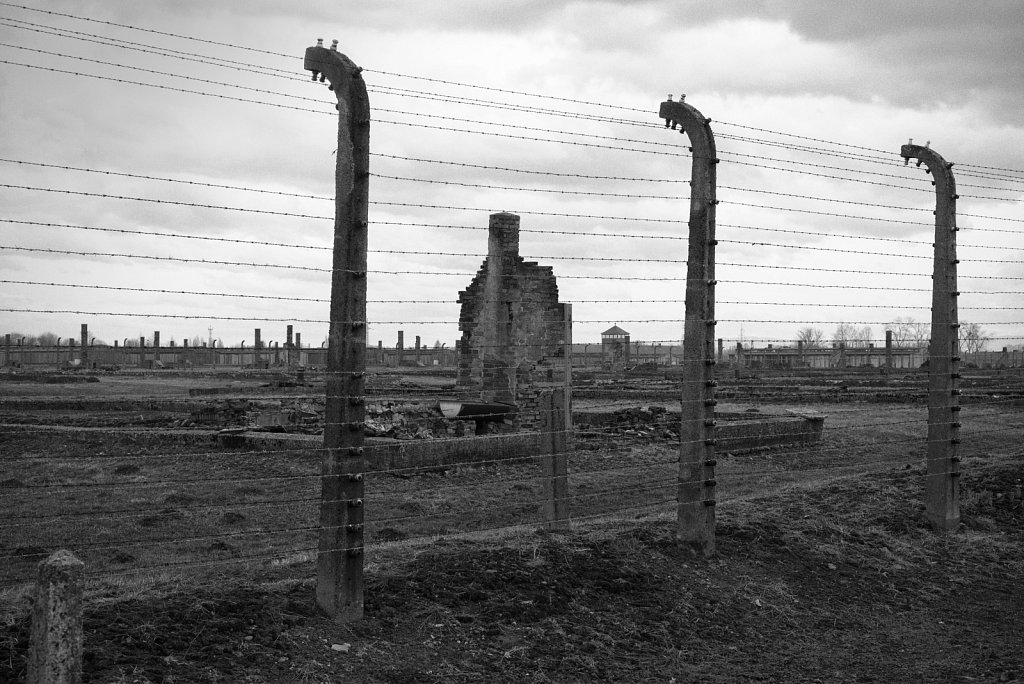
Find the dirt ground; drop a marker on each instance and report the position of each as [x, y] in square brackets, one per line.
[838, 582]
[825, 571]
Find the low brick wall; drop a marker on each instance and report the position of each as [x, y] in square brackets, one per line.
[744, 435]
[398, 454]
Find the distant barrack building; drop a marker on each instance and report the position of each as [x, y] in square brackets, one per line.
[835, 356]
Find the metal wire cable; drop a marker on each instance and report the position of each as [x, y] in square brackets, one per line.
[149, 48]
[146, 30]
[886, 153]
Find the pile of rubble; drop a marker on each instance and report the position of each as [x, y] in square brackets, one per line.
[653, 422]
[300, 415]
[410, 420]
[393, 419]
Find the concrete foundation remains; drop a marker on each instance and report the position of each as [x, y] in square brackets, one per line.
[736, 432]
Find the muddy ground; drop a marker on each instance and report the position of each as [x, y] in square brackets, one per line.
[841, 582]
[822, 574]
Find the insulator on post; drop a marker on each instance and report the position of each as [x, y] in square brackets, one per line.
[334, 45]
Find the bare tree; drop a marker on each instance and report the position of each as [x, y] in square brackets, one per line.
[863, 336]
[920, 334]
[843, 333]
[849, 335]
[811, 337]
[907, 332]
[972, 338]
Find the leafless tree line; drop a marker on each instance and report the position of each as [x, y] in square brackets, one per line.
[906, 332]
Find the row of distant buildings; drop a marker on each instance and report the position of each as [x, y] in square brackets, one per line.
[616, 350]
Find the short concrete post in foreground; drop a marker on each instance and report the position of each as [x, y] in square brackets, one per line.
[55, 653]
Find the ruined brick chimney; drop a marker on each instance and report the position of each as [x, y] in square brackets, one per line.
[513, 327]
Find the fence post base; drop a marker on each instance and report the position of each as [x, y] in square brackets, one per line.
[55, 652]
[554, 464]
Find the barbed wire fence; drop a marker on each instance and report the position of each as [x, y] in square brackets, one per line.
[126, 472]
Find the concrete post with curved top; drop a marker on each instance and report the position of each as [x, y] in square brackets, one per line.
[696, 492]
[339, 584]
[942, 483]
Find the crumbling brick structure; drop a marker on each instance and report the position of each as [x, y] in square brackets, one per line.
[515, 333]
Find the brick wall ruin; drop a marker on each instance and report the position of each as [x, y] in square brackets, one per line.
[514, 330]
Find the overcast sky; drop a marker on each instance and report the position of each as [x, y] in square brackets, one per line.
[553, 105]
